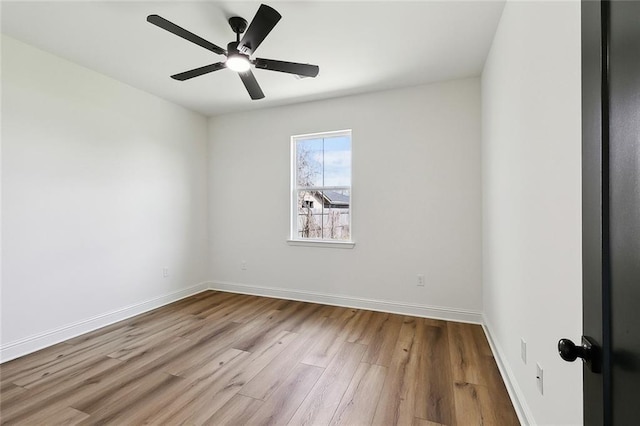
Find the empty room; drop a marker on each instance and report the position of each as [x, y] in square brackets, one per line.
[417, 213]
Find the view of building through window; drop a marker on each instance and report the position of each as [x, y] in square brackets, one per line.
[322, 192]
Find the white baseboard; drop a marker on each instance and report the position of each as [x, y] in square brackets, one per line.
[403, 308]
[515, 393]
[34, 343]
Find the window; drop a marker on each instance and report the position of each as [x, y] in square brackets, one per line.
[321, 187]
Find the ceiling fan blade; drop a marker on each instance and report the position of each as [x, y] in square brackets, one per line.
[199, 71]
[251, 84]
[187, 35]
[266, 18]
[306, 70]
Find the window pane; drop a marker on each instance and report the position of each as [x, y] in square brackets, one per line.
[337, 161]
[309, 162]
[336, 215]
[309, 223]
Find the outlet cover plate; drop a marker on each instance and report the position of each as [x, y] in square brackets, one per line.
[540, 378]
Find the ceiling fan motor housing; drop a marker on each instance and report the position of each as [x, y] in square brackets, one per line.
[232, 50]
[238, 24]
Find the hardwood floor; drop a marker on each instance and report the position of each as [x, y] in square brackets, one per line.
[227, 359]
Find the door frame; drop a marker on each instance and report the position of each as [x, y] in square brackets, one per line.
[596, 268]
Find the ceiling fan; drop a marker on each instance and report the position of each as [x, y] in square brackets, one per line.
[239, 52]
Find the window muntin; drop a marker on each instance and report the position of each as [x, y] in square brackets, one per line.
[321, 193]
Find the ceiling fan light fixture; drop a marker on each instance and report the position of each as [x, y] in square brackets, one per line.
[239, 52]
[238, 63]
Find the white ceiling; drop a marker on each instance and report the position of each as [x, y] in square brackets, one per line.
[360, 46]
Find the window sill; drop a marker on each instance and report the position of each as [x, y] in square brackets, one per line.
[323, 244]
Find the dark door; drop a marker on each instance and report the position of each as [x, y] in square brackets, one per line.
[611, 212]
[624, 215]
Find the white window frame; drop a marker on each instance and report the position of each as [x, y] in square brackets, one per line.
[293, 209]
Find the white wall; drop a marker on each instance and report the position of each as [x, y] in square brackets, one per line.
[103, 185]
[416, 197]
[531, 201]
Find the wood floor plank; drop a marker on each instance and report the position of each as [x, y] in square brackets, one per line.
[159, 355]
[200, 352]
[270, 377]
[467, 396]
[260, 331]
[347, 319]
[210, 330]
[67, 365]
[223, 358]
[9, 393]
[323, 400]
[358, 331]
[417, 421]
[221, 385]
[95, 387]
[480, 340]
[35, 370]
[109, 340]
[75, 374]
[47, 389]
[234, 310]
[131, 403]
[57, 394]
[477, 405]
[464, 354]
[185, 403]
[372, 329]
[203, 304]
[384, 340]
[303, 318]
[435, 322]
[142, 319]
[220, 309]
[146, 346]
[237, 411]
[359, 402]
[117, 394]
[326, 345]
[283, 403]
[264, 305]
[434, 381]
[398, 394]
[505, 412]
[116, 329]
[198, 363]
[10, 370]
[55, 416]
[259, 359]
[80, 353]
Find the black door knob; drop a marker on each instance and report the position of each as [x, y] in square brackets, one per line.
[569, 351]
[588, 351]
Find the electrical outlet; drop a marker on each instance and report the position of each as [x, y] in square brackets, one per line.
[523, 350]
[243, 265]
[420, 281]
[165, 272]
[539, 378]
